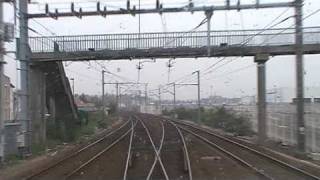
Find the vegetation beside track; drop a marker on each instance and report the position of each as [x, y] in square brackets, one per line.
[88, 125]
[219, 118]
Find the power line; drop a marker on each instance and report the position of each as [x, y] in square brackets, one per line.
[246, 41]
[308, 16]
[232, 72]
[285, 19]
[44, 27]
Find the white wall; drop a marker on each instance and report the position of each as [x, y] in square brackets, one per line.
[281, 123]
[150, 109]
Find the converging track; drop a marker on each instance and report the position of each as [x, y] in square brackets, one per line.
[265, 165]
[158, 151]
[152, 147]
[70, 164]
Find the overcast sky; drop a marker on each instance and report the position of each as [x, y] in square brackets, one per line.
[280, 69]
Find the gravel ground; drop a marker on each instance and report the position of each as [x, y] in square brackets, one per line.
[268, 167]
[208, 163]
[33, 164]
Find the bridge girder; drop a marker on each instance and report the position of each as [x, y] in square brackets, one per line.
[182, 52]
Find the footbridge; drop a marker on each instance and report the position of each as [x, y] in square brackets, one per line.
[173, 44]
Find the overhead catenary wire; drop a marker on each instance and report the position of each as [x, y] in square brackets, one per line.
[285, 19]
[243, 43]
[232, 72]
[248, 40]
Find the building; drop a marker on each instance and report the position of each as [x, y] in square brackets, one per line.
[7, 110]
[85, 106]
[8, 99]
[150, 109]
[287, 94]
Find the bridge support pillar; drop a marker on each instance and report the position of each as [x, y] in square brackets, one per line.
[261, 59]
[38, 106]
[209, 16]
[300, 130]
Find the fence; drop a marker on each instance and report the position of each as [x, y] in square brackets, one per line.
[194, 39]
[281, 123]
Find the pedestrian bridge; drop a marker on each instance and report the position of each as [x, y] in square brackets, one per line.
[172, 44]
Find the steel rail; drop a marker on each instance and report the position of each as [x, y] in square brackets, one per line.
[76, 153]
[237, 158]
[129, 155]
[266, 156]
[157, 156]
[158, 151]
[185, 149]
[94, 158]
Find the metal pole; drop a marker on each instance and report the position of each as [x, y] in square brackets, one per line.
[139, 28]
[299, 76]
[211, 97]
[24, 58]
[209, 15]
[1, 86]
[73, 86]
[72, 79]
[174, 97]
[199, 103]
[140, 100]
[120, 97]
[103, 101]
[199, 99]
[117, 97]
[146, 95]
[160, 98]
[261, 102]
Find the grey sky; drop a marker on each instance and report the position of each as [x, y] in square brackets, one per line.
[280, 70]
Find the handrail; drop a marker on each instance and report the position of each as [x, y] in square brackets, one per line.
[171, 32]
[285, 36]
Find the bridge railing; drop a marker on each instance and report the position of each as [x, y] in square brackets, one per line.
[195, 39]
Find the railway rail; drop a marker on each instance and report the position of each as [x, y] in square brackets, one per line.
[79, 170]
[262, 163]
[171, 158]
[153, 147]
[61, 168]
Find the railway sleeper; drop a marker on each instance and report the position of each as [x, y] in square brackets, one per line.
[143, 149]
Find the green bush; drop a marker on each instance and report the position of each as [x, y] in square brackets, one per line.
[219, 118]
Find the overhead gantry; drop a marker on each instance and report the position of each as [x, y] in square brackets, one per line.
[289, 41]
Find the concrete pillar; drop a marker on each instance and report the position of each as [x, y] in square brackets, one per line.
[38, 106]
[299, 76]
[261, 59]
[209, 16]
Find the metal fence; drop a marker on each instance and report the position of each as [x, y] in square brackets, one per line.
[196, 39]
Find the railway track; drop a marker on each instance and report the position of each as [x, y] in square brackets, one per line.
[63, 168]
[152, 147]
[81, 170]
[263, 164]
[170, 158]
